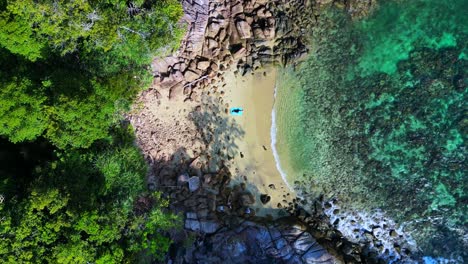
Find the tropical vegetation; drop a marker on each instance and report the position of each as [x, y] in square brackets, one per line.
[71, 177]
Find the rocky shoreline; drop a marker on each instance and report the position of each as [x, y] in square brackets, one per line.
[220, 224]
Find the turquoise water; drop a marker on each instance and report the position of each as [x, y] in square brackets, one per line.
[377, 116]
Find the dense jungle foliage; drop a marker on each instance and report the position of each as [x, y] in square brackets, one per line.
[71, 178]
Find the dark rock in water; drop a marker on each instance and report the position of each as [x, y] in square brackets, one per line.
[272, 186]
[265, 198]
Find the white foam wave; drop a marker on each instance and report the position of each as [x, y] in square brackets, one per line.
[273, 133]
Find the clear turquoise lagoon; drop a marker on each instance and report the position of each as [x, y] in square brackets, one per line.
[377, 117]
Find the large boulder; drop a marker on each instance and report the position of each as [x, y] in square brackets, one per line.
[244, 29]
[192, 224]
[209, 226]
[194, 183]
[253, 242]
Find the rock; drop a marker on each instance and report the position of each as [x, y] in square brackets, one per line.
[168, 82]
[255, 242]
[212, 44]
[239, 54]
[214, 67]
[208, 179]
[237, 9]
[194, 183]
[272, 186]
[190, 76]
[249, 20]
[203, 65]
[244, 29]
[246, 199]
[191, 215]
[209, 226]
[316, 255]
[213, 30]
[265, 198]
[195, 167]
[192, 224]
[202, 214]
[182, 179]
[190, 203]
[159, 66]
[283, 248]
[304, 243]
[237, 248]
[176, 92]
[258, 33]
[234, 36]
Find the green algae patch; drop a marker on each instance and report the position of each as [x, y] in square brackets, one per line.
[378, 117]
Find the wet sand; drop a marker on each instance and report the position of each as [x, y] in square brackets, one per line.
[255, 164]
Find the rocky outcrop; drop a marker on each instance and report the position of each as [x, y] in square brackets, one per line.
[243, 34]
[232, 33]
[358, 236]
[374, 230]
[285, 241]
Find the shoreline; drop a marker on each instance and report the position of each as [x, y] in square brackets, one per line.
[273, 136]
[215, 167]
[256, 164]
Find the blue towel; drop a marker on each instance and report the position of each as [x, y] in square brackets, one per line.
[236, 111]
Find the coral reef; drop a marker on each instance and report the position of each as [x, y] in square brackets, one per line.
[381, 119]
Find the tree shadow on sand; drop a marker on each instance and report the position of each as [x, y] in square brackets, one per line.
[217, 131]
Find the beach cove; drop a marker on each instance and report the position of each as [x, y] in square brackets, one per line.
[234, 131]
[222, 170]
[255, 94]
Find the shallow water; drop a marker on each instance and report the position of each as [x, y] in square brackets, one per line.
[376, 116]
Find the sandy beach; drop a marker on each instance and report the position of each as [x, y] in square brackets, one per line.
[205, 135]
[255, 163]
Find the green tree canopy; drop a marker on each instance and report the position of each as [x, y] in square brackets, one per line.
[73, 177]
[68, 66]
[80, 208]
